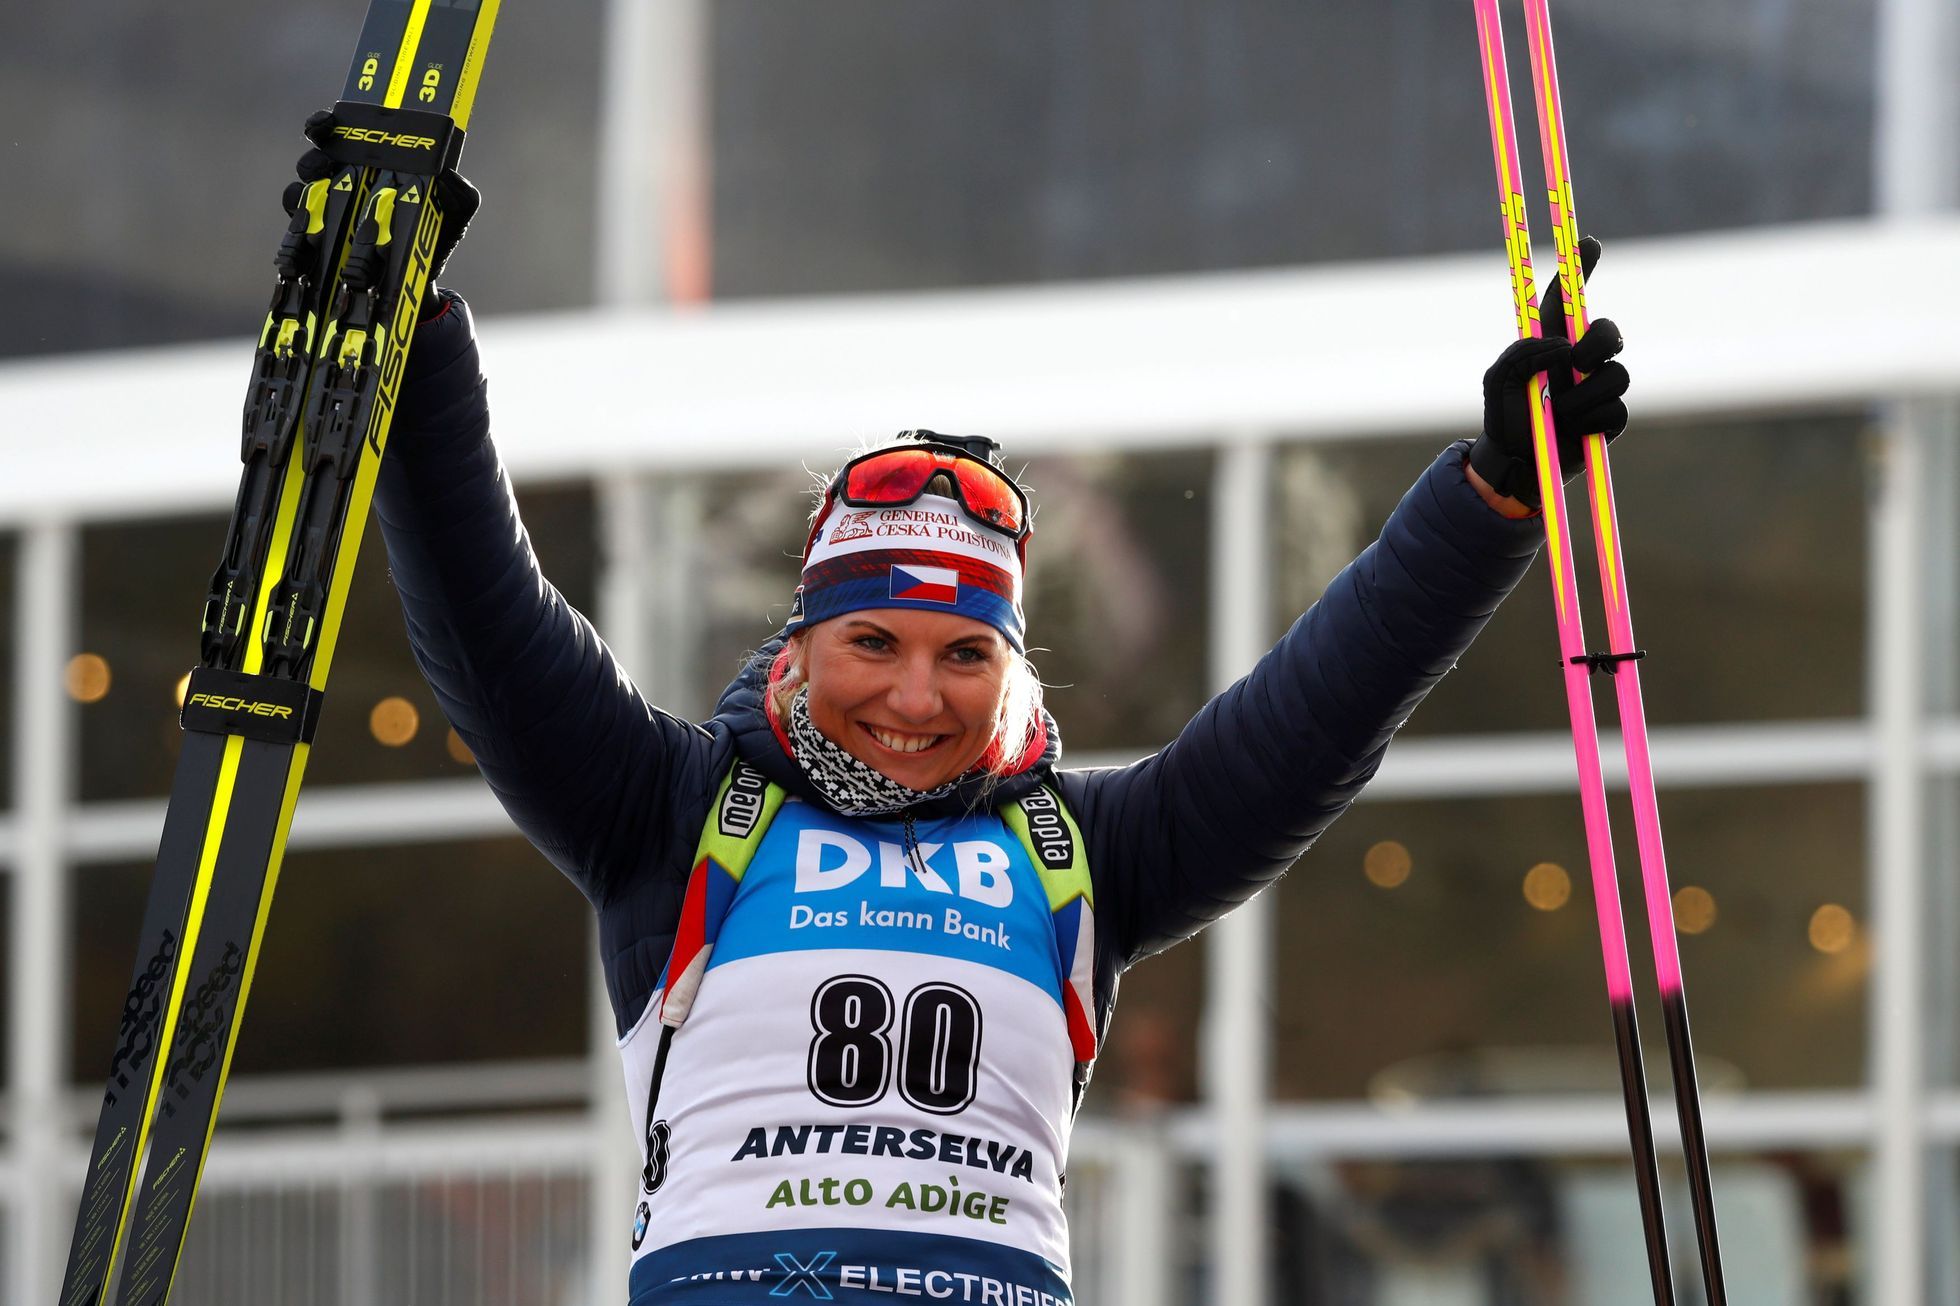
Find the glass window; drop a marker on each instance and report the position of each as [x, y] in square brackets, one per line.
[752, 530]
[381, 722]
[875, 147]
[1502, 1230]
[1943, 1194]
[7, 874]
[1744, 544]
[1119, 593]
[197, 161]
[9, 561]
[1531, 1230]
[381, 956]
[1942, 943]
[1149, 1060]
[143, 586]
[1461, 938]
[1942, 567]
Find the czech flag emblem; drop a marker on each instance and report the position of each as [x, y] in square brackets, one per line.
[926, 584]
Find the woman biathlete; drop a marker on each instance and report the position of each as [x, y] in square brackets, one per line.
[861, 932]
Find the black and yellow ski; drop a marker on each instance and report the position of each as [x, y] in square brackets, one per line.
[353, 268]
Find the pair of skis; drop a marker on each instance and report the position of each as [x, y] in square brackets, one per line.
[1620, 663]
[353, 267]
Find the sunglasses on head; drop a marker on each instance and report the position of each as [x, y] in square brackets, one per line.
[896, 476]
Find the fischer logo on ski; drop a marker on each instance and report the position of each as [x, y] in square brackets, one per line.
[276, 710]
[375, 136]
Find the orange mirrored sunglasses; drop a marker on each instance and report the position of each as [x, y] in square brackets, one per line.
[892, 478]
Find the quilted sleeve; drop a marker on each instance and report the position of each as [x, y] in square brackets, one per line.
[591, 773]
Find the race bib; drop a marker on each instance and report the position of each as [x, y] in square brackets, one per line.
[872, 1092]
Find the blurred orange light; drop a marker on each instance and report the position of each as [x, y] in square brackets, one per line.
[394, 721]
[86, 677]
[1547, 887]
[183, 687]
[1832, 928]
[1694, 909]
[457, 749]
[1387, 864]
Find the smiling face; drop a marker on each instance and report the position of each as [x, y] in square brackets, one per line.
[917, 695]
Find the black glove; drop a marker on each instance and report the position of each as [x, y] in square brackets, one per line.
[456, 199]
[1503, 454]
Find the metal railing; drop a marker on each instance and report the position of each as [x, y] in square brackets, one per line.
[496, 1210]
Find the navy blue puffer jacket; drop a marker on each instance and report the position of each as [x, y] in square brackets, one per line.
[615, 792]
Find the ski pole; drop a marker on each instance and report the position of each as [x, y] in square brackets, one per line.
[1623, 665]
[1576, 664]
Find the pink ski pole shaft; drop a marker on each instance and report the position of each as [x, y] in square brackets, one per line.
[1575, 664]
[1622, 664]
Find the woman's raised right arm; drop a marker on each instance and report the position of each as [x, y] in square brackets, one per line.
[583, 764]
